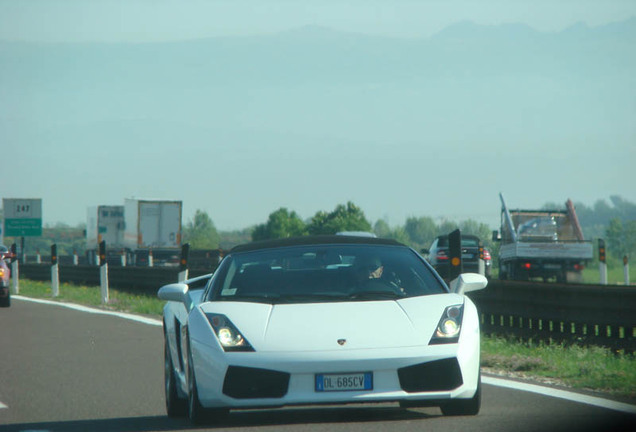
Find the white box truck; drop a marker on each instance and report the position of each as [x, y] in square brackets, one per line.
[105, 222]
[152, 224]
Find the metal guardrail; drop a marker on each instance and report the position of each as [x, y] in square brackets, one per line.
[589, 314]
[585, 314]
[146, 280]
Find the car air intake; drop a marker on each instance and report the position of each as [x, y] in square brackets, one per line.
[251, 383]
[438, 375]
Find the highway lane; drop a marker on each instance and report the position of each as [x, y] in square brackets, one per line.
[67, 370]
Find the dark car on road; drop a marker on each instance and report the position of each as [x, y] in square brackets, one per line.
[5, 295]
[438, 255]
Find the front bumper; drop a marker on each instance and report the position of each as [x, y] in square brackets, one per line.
[262, 379]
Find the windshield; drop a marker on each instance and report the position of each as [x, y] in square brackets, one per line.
[466, 241]
[322, 273]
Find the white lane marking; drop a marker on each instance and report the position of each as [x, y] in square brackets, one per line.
[3, 405]
[499, 382]
[562, 394]
[144, 320]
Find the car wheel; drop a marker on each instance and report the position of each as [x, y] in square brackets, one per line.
[512, 272]
[562, 277]
[6, 302]
[464, 407]
[503, 275]
[196, 412]
[175, 407]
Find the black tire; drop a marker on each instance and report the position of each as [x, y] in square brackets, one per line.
[464, 407]
[197, 414]
[512, 273]
[175, 406]
[503, 274]
[562, 277]
[6, 302]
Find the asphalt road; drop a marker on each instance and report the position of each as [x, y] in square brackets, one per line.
[67, 370]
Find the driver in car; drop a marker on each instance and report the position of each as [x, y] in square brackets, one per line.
[371, 276]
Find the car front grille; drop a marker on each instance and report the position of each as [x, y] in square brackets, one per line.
[438, 375]
[251, 383]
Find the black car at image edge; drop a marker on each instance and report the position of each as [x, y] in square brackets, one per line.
[438, 255]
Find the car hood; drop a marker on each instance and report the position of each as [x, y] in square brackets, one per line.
[319, 326]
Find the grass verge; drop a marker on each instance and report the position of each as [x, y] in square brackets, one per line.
[584, 368]
[91, 296]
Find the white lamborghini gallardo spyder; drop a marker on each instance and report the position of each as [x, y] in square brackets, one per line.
[321, 320]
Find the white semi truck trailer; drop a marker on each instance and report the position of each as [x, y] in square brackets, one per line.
[145, 231]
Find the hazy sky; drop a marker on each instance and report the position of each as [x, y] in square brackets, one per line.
[154, 20]
[415, 184]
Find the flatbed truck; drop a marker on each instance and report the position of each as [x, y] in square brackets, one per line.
[542, 244]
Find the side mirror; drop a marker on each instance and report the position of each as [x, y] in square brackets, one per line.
[496, 236]
[467, 282]
[177, 292]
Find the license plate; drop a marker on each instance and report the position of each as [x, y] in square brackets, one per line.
[344, 382]
[552, 266]
[467, 256]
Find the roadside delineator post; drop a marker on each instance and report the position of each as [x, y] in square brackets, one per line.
[626, 269]
[23, 256]
[55, 272]
[602, 262]
[183, 263]
[455, 267]
[15, 269]
[482, 263]
[150, 259]
[103, 271]
[123, 257]
[38, 258]
[75, 258]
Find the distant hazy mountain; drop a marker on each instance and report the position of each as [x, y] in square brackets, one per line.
[469, 88]
[357, 86]
[313, 56]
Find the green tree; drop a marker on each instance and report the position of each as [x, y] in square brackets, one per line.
[446, 227]
[621, 238]
[200, 232]
[280, 224]
[68, 240]
[382, 229]
[229, 239]
[347, 217]
[400, 235]
[420, 231]
[478, 229]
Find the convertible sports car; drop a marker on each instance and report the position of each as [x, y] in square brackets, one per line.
[321, 320]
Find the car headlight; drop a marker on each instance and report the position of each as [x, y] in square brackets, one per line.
[228, 335]
[449, 326]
